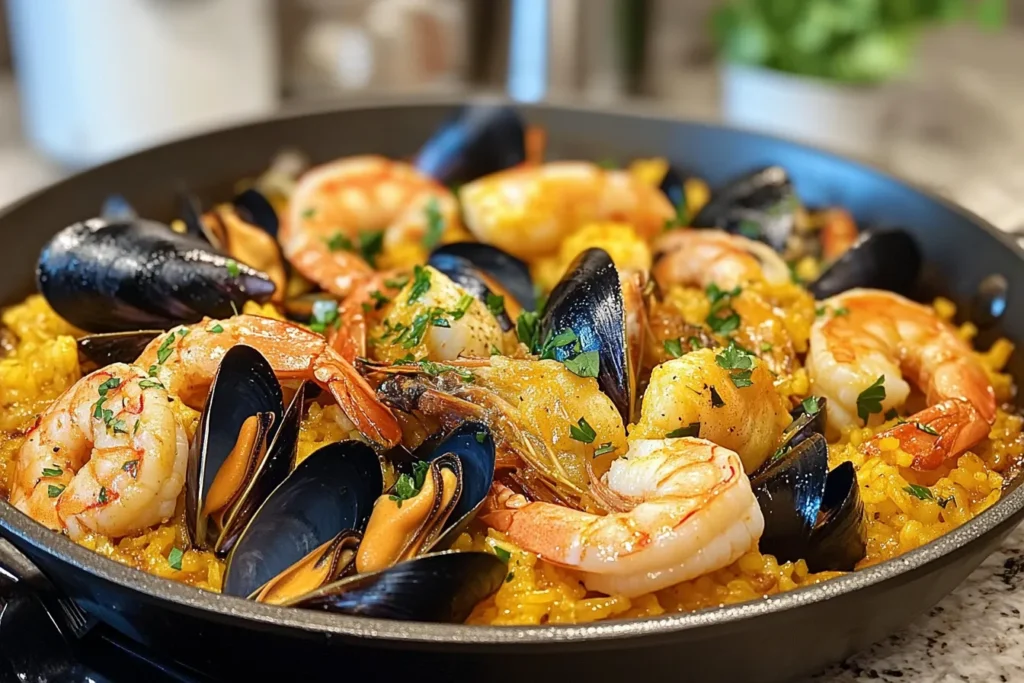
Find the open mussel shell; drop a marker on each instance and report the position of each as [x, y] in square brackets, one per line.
[475, 141]
[324, 565]
[889, 260]
[838, 541]
[234, 456]
[115, 276]
[330, 492]
[114, 347]
[761, 205]
[438, 587]
[588, 300]
[463, 273]
[809, 512]
[254, 208]
[511, 274]
[804, 424]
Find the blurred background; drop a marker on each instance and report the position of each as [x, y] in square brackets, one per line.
[931, 89]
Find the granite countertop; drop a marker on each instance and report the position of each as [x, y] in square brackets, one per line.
[970, 148]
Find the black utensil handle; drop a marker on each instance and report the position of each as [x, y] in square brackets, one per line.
[14, 566]
[18, 570]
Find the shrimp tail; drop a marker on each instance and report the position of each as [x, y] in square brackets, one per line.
[944, 430]
[358, 401]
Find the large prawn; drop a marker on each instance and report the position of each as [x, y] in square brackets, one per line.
[704, 257]
[686, 509]
[868, 334]
[185, 360]
[108, 456]
[341, 207]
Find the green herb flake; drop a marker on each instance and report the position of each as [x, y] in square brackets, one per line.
[413, 335]
[841, 311]
[495, 304]
[739, 362]
[216, 329]
[396, 283]
[495, 351]
[420, 283]
[54, 471]
[870, 400]
[102, 497]
[528, 330]
[582, 431]
[112, 383]
[435, 224]
[440, 322]
[811, 405]
[379, 300]
[503, 555]
[371, 244]
[481, 437]
[54, 490]
[465, 301]
[603, 449]
[232, 266]
[927, 429]
[119, 427]
[695, 343]
[309, 213]
[174, 558]
[408, 485]
[165, 349]
[131, 467]
[692, 429]
[325, 312]
[339, 242]
[919, 492]
[585, 364]
[765, 346]
[673, 347]
[153, 370]
[150, 384]
[434, 369]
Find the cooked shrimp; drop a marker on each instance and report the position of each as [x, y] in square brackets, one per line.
[108, 457]
[362, 308]
[433, 318]
[339, 207]
[703, 257]
[529, 211]
[695, 393]
[688, 510]
[867, 334]
[185, 360]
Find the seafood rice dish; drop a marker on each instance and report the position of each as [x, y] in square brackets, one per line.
[485, 386]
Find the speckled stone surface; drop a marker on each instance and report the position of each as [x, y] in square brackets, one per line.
[975, 634]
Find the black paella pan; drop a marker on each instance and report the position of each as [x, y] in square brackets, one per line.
[769, 640]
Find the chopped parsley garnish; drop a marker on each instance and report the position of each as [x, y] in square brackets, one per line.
[52, 471]
[502, 554]
[112, 383]
[119, 427]
[692, 429]
[102, 497]
[434, 369]
[174, 558]
[481, 437]
[183, 332]
[440, 322]
[582, 431]
[811, 405]
[379, 300]
[131, 467]
[528, 329]
[153, 370]
[338, 242]
[435, 224]
[563, 338]
[721, 318]
[368, 244]
[585, 364]
[465, 301]
[408, 486]
[325, 314]
[216, 329]
[739, 363]
[673, 347]
[716, 399]
[765, 346]
[309, 213]
[604, 448]
[841, 311]
[420, 283]
[232, 266]
[396, 283]
[413, 335]
[495, 351]
[495, 304]
[150, 384]
[695, 343]
[164, 352]
[870, 400]
[54, 490]
[919, 492]
[927, 429]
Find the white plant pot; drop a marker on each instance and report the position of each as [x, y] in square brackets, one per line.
[845, 118]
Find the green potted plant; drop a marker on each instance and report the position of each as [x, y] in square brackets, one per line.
[813, 69]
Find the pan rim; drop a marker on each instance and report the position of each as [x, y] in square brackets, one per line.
[223, 607]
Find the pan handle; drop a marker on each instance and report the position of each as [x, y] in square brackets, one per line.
[16, 570]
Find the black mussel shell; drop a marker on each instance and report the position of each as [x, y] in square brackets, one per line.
[331, 491]
[761, 205]
[244, 386]
[673, 185]
[588, 300]
[473, 444]
[805, 423]
[191, 212]
[114, 347]
[838, 541]
[476, 141]
[439, 587]
[468, 277]
[129, 275]
[509, 272]
[789, 490]
[889, 260]
[254, 208]
[116, 208]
